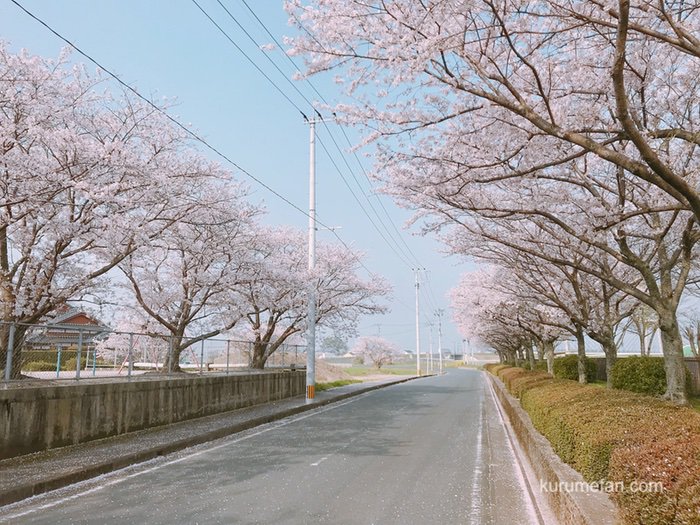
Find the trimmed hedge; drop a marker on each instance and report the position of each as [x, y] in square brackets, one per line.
[567, 368]
[39, 366]
[642, 374]
[539, 365]
[619, 436]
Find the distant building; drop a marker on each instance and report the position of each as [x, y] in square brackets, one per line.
[64, 330]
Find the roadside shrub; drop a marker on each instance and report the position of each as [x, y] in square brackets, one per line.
[642, 374]
[620, 437]
[493, 368]
[539, 366]
[671, 461]
[567, 368]
[39, 366]
[523, 383]
[71, 363]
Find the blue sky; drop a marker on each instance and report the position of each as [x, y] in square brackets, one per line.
[168, 48]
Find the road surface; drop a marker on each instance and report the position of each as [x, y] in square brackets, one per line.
[429, 451]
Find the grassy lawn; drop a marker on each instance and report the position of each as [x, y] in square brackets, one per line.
[360, 370]
[320, 387]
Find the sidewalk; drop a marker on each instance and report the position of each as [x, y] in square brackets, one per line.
[33, 474]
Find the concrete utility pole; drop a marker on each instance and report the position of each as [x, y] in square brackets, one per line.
[417, 322]
[439, 316]
[429, 364]
[311, 312]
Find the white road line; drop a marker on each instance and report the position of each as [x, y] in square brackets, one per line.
[319, 461]
[108, 483]
[530, 501]
[476, 503]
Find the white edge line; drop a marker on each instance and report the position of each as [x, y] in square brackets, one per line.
[476, 503]
[535, 513]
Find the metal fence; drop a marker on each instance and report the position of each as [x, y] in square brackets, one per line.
[69, 351]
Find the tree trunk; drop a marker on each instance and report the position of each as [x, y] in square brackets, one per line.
[549, 355]
[519, 357]
[258, 357]
[172, 360]
[17, 346]
[672, 347]
[531, 356]
[642, 340]
[581, 351]
[610, 350]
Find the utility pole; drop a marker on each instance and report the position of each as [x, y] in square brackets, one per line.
[439, 316]
[430, 346]
[311, 312]
[415, 271]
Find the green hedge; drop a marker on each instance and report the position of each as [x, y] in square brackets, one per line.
[642, 374]
[619, 436]
[39, 366]
[49, 356]
[539, 365]
[567, 368]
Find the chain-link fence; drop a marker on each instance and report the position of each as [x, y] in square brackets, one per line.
[69, 351]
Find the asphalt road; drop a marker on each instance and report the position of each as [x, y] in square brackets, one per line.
[430, 451]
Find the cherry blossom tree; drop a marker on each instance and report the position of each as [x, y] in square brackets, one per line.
[185, 279]
[378, 350]
[654, 248]
[274, 299]
[87, 178]
[498, 89]
[487, 307]
[461, 97]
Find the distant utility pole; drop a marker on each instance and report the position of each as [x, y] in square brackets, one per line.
[311, 312]
[439, 313]
[415, 271]
[429, 364]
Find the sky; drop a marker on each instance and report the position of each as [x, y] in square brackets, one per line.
[168, 49]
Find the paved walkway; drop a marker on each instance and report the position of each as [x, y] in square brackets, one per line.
[34, 474]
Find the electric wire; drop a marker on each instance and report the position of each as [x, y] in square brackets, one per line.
[269, 59]
[359, 202]
[279, 46]
[181, 126]
[404, 257]
[411, 254]
[247, 57]
[268, 78]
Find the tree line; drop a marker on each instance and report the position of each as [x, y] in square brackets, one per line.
[102, 196]
[556, 141]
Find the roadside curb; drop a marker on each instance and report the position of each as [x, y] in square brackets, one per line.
[571, 507]
[22, 491]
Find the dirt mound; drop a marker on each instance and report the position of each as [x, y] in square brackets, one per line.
[325, 372]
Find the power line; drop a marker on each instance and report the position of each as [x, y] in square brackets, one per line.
[252, 62]
[359, 203]
[250, 37]
[183, 127]
[404, 257]
[279, 46]
[386, 212]
[408, 250]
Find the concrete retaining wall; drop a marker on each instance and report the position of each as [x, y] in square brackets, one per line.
[42, 417]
